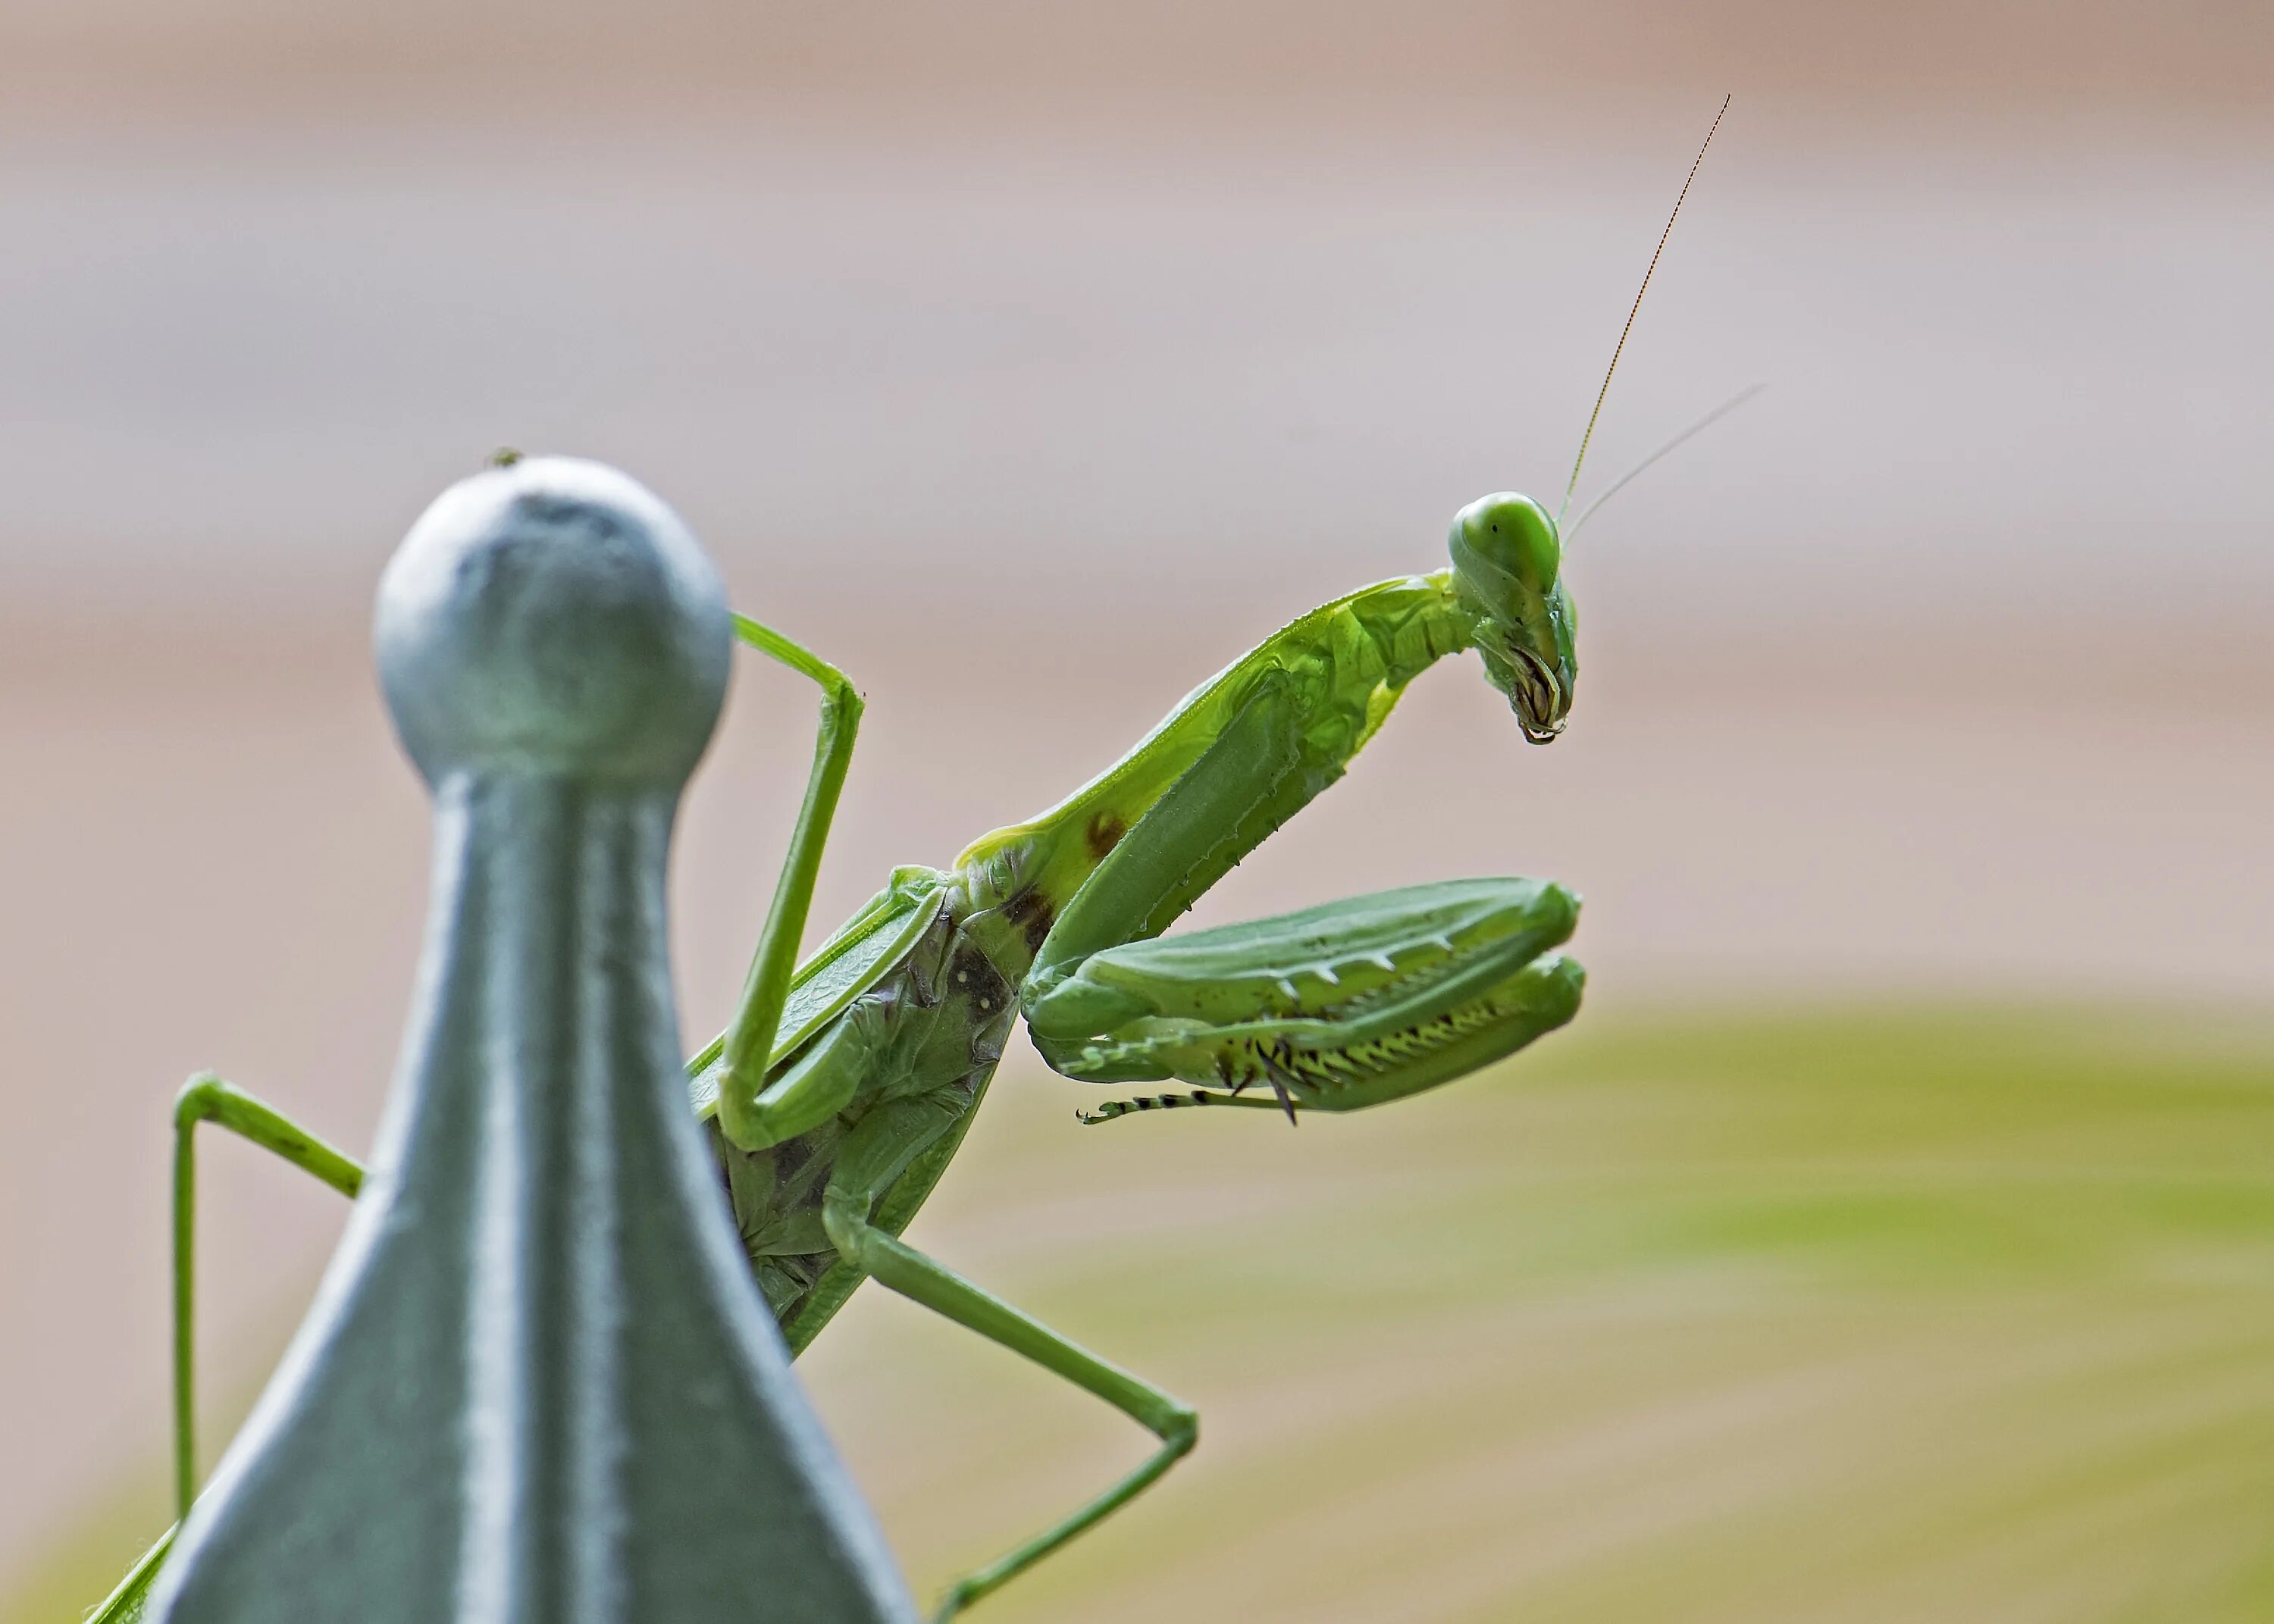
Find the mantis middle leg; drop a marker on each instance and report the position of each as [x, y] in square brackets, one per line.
[752, 1115]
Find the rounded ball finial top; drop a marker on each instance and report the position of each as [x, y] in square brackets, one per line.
[551, 615]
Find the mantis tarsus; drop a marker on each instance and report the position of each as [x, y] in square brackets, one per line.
[843, 1087]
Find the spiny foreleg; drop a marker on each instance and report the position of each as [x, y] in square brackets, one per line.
[1112, 1108]
[1334, 1007]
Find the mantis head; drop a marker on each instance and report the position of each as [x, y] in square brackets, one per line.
[1508, 568]
[1507, 554]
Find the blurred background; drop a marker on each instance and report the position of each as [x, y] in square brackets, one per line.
[1889, 1238]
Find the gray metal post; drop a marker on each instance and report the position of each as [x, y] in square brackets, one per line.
[537, 1385]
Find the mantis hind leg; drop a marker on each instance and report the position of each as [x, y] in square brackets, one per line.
[886, 1141]
[206, 1098]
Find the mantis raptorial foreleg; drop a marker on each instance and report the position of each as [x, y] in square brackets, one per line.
[1336, 1007]
[874, 1155]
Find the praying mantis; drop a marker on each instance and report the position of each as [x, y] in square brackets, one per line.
[843, 1086]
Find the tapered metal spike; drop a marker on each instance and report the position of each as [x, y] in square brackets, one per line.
[537, 1385]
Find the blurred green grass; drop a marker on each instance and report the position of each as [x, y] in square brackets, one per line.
[1939, 1312]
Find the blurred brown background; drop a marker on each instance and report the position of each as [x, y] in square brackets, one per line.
[1030, 361]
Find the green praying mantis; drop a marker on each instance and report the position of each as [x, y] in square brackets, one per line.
[843, 1086]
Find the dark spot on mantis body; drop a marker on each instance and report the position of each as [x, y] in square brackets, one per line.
[1104, 832]
[973, 976]
[1030, 911]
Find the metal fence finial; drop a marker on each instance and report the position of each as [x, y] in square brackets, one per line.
[538, 1385]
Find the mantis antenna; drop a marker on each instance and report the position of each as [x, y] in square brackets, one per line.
[1573, 482]
[1698, 427]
